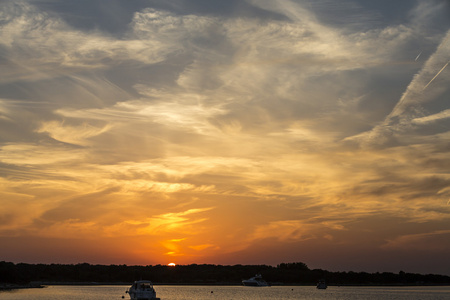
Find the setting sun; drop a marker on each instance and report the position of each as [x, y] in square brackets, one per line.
[172, 265]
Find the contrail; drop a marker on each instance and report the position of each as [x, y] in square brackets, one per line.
[436, 75]
[418, 56]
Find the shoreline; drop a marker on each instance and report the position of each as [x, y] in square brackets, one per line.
[8, 287]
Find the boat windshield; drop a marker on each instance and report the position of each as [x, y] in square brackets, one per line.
[145, 286]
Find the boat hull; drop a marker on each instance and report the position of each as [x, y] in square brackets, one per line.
[252, 284]
[132, 297]
[142, 290]
[255, 281]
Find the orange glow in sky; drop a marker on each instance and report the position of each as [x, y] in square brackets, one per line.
[282, 131]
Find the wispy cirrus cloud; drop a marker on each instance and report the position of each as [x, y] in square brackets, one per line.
[410, 106]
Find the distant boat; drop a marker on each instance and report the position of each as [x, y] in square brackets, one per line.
[142, 290]
[321, 285]
[255, 281]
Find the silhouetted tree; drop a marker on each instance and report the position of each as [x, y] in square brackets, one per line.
[285, 273]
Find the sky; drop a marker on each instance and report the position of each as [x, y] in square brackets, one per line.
[226, 132]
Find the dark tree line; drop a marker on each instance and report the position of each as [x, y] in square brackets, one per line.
[285, 273]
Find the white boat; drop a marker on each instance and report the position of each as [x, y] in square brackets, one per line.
[142, 290]
[321, 285]
[255, 281]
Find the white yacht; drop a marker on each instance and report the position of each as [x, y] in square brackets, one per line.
[255, 281]
[142, 290]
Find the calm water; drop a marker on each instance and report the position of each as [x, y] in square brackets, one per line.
[233, 292]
